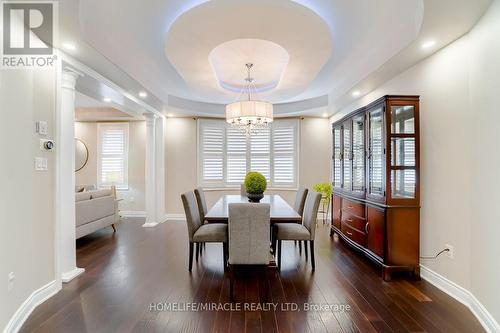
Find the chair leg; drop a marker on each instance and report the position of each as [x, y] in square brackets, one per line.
[201, 248]
[279, 255]
[231, 283]
[313, 263]
[114, 228]
[191, 245]
[305, 248]
[197, 250]
[300, 247]
[225, 255]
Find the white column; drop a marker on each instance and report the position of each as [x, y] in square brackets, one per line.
[160, 169]
[150, 168]
[65, 147]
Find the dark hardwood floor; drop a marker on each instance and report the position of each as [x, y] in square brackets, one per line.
[128, 271]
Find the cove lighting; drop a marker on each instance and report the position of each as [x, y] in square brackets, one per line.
[428, 44]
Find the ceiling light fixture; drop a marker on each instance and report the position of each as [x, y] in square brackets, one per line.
[69, 46]
[428, 44]
[356, 93]
[170, 115]
[143, 94]
[325, 115]
[106, 99]
[250, 114]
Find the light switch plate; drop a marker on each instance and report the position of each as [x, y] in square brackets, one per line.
[41, 127]
[41, 164]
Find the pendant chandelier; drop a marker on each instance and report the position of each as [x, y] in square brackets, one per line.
[249, 114]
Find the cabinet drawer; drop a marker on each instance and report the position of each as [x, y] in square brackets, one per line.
[354, 208]
[354, 221]
[353, 234]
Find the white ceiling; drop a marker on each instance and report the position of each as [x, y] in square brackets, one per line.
[128, 42]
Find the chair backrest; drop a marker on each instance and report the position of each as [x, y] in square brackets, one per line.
[300, 200]
[202, 204]
[243, 190]
[311, 212]
[192, 213]
[249, 233]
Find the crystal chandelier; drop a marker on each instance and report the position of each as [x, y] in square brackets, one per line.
[249, 114]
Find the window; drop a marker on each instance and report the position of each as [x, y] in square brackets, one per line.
[225, 154]
[112, 164]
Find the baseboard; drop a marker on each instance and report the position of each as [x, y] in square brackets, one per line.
[133, 213]
[68, 276]
[36, 298]
[175, 217]
[463, 296]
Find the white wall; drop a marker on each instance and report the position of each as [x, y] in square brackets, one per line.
[181, 146]
[134, 197]
[27, 214]
[484, 103]
[460, 156]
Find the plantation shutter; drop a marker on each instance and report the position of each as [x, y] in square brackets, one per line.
[236, 152]
[284, 144]
[113, 155]
[260, 153]
[212, 153]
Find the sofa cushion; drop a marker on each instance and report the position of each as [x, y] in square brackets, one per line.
[95, 209]
[81, 196]
[100, 193]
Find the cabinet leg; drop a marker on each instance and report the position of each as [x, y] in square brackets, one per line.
[416, 273]
[386, 274]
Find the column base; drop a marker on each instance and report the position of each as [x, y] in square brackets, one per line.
[68, 276]
[150, 224]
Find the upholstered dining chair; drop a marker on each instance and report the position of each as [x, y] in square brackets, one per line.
[249, 228]
[300, 200]
[298, 206]
[301, 232]
[202, 208]
[202, 233]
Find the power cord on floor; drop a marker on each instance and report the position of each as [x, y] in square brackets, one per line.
[437, 255]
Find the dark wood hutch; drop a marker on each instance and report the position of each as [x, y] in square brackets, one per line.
[376, 191]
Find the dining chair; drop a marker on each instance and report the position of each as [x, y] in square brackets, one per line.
[202, 208]
[202, 233]
[249, 225]
[301, 232]
[298, 206]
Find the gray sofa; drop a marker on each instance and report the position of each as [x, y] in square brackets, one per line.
[95, 210]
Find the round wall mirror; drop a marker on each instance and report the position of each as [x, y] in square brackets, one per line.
[81, 154]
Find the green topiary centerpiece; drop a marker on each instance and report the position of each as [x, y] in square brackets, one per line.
[255, 185]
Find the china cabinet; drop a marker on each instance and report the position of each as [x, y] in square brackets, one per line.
[376, 192]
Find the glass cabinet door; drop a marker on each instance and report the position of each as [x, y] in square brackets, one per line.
[337, 157]
[358, 153]
[347, 157]
[403, 159]
[376, 151]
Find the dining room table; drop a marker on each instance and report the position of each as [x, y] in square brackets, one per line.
[280, 210]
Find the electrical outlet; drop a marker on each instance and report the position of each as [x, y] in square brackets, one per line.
[10, 281]
[450, 254]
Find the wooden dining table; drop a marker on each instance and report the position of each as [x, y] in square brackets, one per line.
[281, 211]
